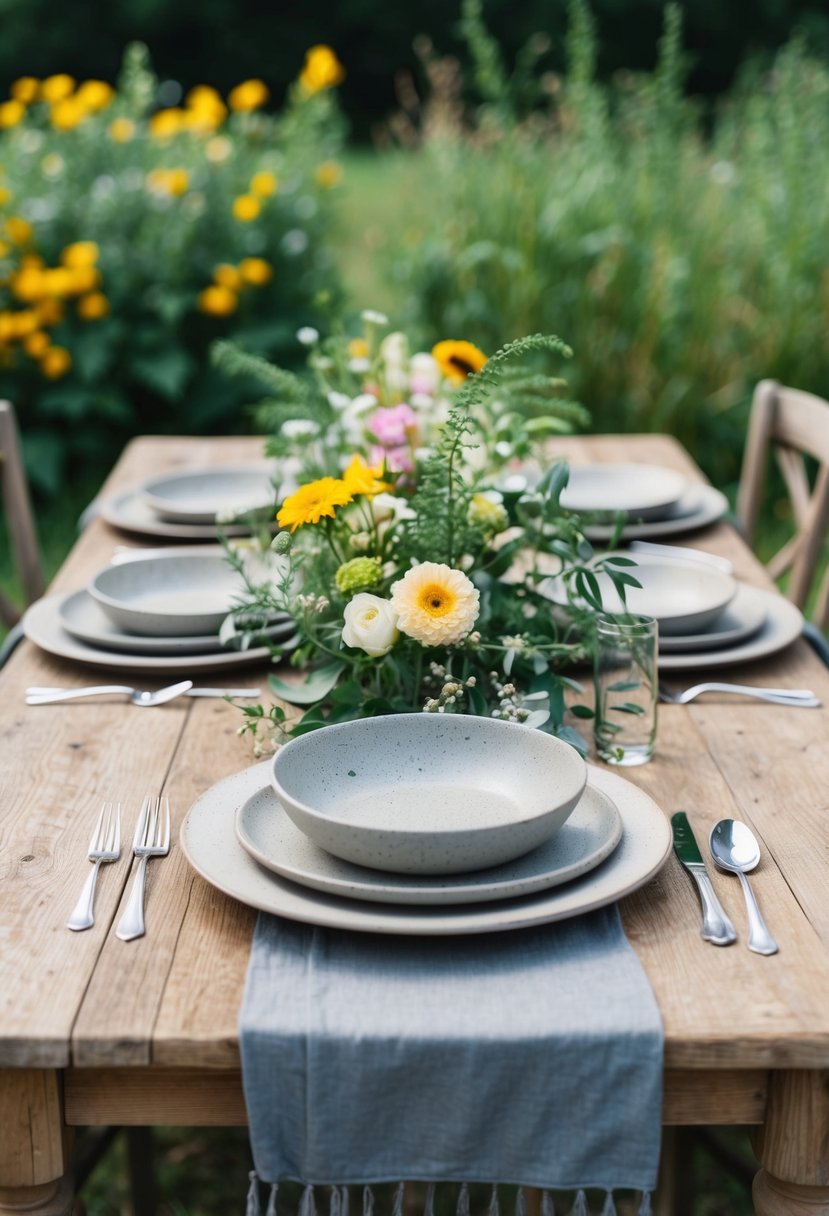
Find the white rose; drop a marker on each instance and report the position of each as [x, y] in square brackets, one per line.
[370, 625]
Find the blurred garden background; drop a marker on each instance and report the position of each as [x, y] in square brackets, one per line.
[649, 181]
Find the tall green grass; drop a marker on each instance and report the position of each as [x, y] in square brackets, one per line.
[683, 259]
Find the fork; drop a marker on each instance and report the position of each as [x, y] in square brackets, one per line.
[50, 696]
[804, 698]
[105, 845]
[152, 839]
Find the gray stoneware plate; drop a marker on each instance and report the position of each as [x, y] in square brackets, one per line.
[208, 840]
[198, 495]
[643, 491]
[130, 513]
[741, 619]
[42, 625]
[698, 507]
[589, 836]
[783, 624]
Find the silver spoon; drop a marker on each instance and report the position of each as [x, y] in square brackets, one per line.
[735, 848]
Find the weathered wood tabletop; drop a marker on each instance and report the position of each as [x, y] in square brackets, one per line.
[97, 1031]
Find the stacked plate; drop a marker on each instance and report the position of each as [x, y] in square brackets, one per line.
[155, 612]
[191, 505]
[404, 817]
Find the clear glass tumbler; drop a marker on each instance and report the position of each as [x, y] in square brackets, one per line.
[626, 688]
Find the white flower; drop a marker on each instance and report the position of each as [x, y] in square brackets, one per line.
[425, 373]
[370, 624]
[391, 507]
[394, 351]
[359, 364]
[300, 428]
[437, 605]
[307, 335]
[338, 401]
[371, 317]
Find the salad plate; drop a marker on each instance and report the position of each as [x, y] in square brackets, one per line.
[782, 625]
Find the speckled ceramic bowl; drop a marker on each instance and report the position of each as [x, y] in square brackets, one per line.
[428, 793]
[171, 595]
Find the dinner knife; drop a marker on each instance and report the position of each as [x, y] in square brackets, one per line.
[716, 927]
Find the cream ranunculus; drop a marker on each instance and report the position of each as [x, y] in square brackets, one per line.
[436, 605]
[370, 625]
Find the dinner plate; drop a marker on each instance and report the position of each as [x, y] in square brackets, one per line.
[698, 507]
[208, 840]
[783, 624]
[42, 625]
[196, 496]
[591, 833]
[741, 619]
[129, 512]
[642, 491]
[84, 619]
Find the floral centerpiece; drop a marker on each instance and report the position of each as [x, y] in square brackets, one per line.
[419, 522]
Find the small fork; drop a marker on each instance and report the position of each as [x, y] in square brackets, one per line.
[804, 698]
[105, 845]
[152, 839]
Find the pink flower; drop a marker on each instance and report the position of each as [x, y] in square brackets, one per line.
[394, 426]
[398, 460]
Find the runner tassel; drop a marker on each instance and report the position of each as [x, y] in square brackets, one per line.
[307, 1206]
[580, 1207]
[462, 1207]
[548, 1208]
[645, 1208]
[429, 1206]
[271, 1211]
[252, 1202]
[609, 1208]
[494, 1204]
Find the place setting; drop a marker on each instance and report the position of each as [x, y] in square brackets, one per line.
[198, 504]
[164, 611]
[426, 825]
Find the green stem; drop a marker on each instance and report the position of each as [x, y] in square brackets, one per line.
[417, 697]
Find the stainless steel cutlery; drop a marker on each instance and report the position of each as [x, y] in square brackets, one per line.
[152, 839]
[52, 696]
[104, 846]
[716, 927]
[802, 698]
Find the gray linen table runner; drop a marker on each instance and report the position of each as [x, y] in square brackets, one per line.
[531, 1057]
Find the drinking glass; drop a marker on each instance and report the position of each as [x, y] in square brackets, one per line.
[626, 688]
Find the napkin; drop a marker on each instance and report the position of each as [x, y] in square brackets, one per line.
[531, 1057]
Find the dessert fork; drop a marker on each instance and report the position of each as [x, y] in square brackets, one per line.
[802, 697]
[105, 845]
[152, 839]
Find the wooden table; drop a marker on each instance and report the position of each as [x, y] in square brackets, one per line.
[95, 1031]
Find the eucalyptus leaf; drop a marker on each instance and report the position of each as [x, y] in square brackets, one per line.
[318, 684]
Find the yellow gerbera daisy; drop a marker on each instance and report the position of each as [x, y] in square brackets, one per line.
[362, 478]
[457, 360]
[436, 605]
[312, 502]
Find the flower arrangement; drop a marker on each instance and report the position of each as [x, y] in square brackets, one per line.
[136, 227]
[418, 523]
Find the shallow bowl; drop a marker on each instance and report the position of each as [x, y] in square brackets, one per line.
[168, 596]
[428, 793]
[641, 491]
[199, 496]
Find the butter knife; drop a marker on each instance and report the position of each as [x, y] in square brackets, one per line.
[716, 927]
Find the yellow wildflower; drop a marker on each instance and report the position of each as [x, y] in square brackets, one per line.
[457, 360]
[27, 285]
[56, 362]
[25, 322]
[4, 248]
[177, 182]
[11, 112]
[328, 174]
[58, 281]
[247, 96]
[25, 89]
[313, 502]
[93, 306]
[205, 108]
[67, 114]
[55, 88]
[358, 348]
[82, 279]
[255, 271]
[218, 301]
[228, 276]
[6, 327]
[36, 344]
[166, 123]
[5, 196]
[80, 253]
[362, 478]
[246, 208]
[321, 70]
[218, 149]
[122, 130]
[50, 311]
[19, 230]
[264, 184]
[95, 94]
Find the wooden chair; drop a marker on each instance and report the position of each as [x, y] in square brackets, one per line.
[19, 519]
[794, 425]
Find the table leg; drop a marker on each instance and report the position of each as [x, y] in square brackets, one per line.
[793, 1147]
[34, 1144]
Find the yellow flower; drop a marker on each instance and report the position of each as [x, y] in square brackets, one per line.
[6, 327]
[264, 184]
[255, 271]
[55, 88]
[457, 360]
[218, 149]
[58, 281]
[93, 307]
[321, 70]
[166, 123]
[27, 285]
[11, 112]
[246, 208]
[67, 114]
[436, 605]
[205, 108]
[50, 311]
[95, 94]
[122, 130]
[56, 362]
[4, 249]
[36, 344]
[81, 279]
[178, 181]
[228, 276]
[247, 96]
[310, 503]
[5, 196]
[25, 89]
[25, 322]
[362, 478]
[328, 174]
[19, 230]
[80, 253]
[358, 348]
[217, 301]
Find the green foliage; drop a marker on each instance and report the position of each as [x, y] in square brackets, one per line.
[686, 259]
[195, 222]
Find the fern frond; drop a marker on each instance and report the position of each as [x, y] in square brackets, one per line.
[282, 384]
